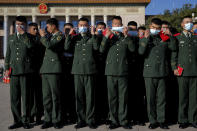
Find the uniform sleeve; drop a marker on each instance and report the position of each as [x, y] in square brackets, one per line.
[69, 41]
[50, 44]
[142, 45]
[131, 45]
[172, 45]
[8, 55]
[103, 45]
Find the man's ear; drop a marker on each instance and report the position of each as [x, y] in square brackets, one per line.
[182, 24]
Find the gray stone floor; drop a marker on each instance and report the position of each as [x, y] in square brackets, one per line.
[6, 118]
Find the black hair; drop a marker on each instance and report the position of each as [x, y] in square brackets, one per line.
[68, 24]
[165, 23]
[33, 24]
[188, 16]
[101, 23]
[156, 21]
[53, 21]
[83, 19]
[142, 28]
[133, 23]
[117, 18]
[21, 19]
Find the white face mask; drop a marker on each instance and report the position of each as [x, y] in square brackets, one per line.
[100, 31]
[118, 29]
[21, 26]
[83, 29]
[154, 31]
[188, 26]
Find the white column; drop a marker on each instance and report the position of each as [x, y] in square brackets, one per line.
[92, 20]
[105, 19]
[34, 19]
[52, 16]
[67, 18]
[38, 24]
[5, 38]
[79, 16]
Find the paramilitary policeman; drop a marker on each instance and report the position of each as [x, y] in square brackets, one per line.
[136, 80]
[117, 45]
[101, 86]
[51, 70]
[18, 63]
[37, 54]
[187, 60]
[156, 70]
[84, 69]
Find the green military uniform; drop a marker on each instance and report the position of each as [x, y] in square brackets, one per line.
[18, 58]
[116, 71]
[51, 70]
[156, 69]
[187, 59]
[84, 70]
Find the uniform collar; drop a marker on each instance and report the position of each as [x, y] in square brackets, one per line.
[187, 33]
[55, 33]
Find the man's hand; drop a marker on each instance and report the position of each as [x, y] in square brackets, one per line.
[176, 72]
[108, 32]
[147, 33]
[92, 30]
[7, 73]
[20, 29]
[71, 31]
[167, 32]
[42, 32]
[125, 31]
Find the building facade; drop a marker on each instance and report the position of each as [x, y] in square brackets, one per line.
[67, 11]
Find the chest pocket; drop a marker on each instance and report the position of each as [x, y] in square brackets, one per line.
[194, 42]
[78, 45]
[182, 44]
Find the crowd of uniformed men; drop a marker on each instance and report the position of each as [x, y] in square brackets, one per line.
[92, 75]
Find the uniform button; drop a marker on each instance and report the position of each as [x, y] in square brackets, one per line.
[189, 45]
[17, 48]
[84, 54]
[17, 58]
[117, 60]
[190, 60]
[157, 56]
[17, 53]
[117, 44]
[52, 59]
[84, 44]
[190, 55]
[117, 54]
[117, 49]
[84, 49]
